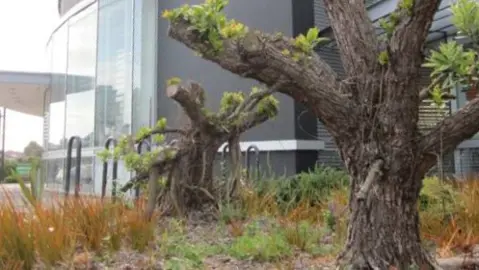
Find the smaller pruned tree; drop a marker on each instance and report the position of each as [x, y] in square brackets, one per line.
[180, 172]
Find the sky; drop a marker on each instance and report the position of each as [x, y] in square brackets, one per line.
[25, 26]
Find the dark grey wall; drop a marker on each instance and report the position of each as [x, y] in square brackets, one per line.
[271, 164]
[175, 60]
[305, 121]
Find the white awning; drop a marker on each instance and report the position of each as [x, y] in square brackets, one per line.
[24, 91]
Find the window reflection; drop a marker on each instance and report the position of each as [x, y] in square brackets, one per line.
[56, 124]
[80, 100]
[114, 70]
[144, 63]
[55, 174]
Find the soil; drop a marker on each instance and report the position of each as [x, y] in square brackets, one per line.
[198, 230]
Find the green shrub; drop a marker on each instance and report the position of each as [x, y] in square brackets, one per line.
[304, 236]
[437, 196]
[314, 186]
[259, 245]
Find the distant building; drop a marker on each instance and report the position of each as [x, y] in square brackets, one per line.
[13, 154]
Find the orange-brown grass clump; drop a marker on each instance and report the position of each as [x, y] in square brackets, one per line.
[50, 234]
[452, 222]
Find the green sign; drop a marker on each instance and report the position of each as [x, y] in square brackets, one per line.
[23, 169]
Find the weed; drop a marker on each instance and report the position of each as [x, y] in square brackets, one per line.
[236, 228]
[17, 245]
[53, 238]
[303, 235]
[140, 231]
[90, 220]
[256, 244]
[229, 212]
[181, 253]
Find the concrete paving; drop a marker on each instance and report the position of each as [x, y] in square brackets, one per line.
[13, 193]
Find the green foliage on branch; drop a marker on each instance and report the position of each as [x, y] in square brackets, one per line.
[307, 43]
[231, 100]
[453, 65]
[125, 149]
[383, 58]
[269, 105]
[173, 81]
[210, 21]
[389, 24]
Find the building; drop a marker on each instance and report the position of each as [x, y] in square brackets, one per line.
[110, 60]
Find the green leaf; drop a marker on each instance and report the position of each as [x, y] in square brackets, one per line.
[312, 34]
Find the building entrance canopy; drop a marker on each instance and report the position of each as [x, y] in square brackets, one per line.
[24, 92]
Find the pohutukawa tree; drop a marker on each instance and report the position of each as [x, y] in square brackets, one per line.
[372, 114]
[180, 172]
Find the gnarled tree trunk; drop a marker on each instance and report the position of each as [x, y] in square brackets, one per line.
[384, 221]
[191, 180]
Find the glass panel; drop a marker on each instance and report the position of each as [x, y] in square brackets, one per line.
[80, 100]
[144, 63]
[114, 70]
[56, 124]
[86, 175]
[54, 174]
[123, 176]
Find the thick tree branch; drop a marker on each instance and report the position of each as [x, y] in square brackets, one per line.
[354, 34]
[410, 34]
[261, 57]
[137, 178]
[251, 120]
[451, 131]
[191, 106]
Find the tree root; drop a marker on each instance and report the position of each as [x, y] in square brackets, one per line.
[459, 262]
[373, 259]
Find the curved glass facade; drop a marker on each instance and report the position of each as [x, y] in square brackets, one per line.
[102, 61]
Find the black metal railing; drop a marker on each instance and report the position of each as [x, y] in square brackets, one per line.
[69, 165]
[224, 168]
[252, 149]
[110, 142]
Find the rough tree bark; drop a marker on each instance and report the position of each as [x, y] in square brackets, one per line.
[187, 163]
[372, 115]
